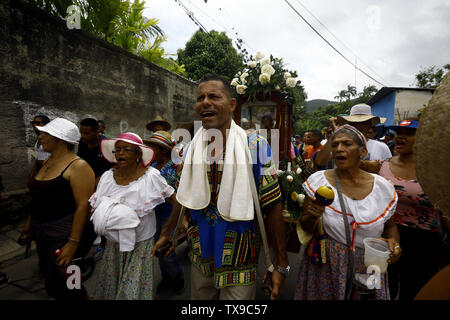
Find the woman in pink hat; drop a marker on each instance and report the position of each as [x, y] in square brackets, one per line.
[123, 211]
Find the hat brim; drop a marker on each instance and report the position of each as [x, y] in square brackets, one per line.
[361, 118]
[396, 128]
[55, 134]
[149, 143]
[107, 146]
[151, 125]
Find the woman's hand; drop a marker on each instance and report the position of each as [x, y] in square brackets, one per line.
[313, 208]
[67, 253]
[25, 233]
[372, 166]
[394, 247]
[163, 247]
[22, 240]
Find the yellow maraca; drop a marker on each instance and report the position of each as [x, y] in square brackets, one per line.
[324, 195]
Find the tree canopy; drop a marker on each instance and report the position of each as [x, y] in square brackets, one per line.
[210, 52]
[304, 121]
[431, 77]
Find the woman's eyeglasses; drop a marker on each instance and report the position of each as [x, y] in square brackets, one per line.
[126, 149]
[36, 122]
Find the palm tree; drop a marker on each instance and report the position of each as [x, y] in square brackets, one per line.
[133, 29]
[368, 91]
[341, 95]
[351, 90]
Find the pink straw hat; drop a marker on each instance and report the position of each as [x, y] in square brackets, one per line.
[107, 147]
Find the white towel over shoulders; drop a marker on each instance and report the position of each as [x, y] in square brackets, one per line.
[235, 202]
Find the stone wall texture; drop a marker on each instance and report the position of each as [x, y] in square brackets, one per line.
[48, 69]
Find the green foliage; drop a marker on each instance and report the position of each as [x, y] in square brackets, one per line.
[368, 91]
[210, 52]
[431, 77]
[288, 188]
[320, 118]
[121, 23]
[155, 53]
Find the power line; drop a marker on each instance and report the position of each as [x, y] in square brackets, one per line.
[234, 34]
[317, 19]
[191, 16]
[222, 9]
[332, 45]
[231, 33]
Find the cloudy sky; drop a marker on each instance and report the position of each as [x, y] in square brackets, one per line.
[389, 39]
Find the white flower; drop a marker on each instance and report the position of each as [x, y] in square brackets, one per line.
[301, 198]
[259, 56]
[287, 75]
[268, 69]
[299, 170]
[241, 89]
[291, 82]
[264, 78]
[252, 64]
[289, 178]
[265, 61]
[234, 82]
[243, 76]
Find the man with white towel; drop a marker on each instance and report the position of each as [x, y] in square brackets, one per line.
[221, 178]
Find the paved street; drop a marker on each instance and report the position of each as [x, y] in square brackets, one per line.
[25, 283]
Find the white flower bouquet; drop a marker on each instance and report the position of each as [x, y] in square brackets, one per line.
[265, 75]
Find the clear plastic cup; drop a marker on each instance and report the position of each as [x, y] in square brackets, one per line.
[376, 252]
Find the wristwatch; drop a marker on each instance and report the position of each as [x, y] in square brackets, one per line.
[283, 271]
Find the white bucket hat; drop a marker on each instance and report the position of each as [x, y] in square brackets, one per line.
[362, 112]
[107, 147]
[62, 129]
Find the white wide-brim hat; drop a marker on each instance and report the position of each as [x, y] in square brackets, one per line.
[107, 147]
[362, 112]
[62, 129]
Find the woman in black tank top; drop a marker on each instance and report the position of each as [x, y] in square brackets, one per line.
[60, 191]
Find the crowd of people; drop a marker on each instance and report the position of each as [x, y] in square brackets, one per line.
[131, 194]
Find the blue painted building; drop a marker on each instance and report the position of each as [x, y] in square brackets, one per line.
[395, 103]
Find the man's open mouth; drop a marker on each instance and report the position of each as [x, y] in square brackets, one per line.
[206, 115]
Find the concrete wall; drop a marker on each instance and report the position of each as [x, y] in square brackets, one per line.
[408, 103]
[46, 68]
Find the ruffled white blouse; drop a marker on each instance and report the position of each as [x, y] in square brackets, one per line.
[366, 217]
[142, 195]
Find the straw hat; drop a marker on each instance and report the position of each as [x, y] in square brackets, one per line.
[107, 147]
[62, 129]
[432, 147]
[161, 138]
[158, 120]
[360, 113]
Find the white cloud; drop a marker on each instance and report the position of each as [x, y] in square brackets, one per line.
[408, 35]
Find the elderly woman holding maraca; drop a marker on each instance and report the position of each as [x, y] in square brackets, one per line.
[368, 201]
